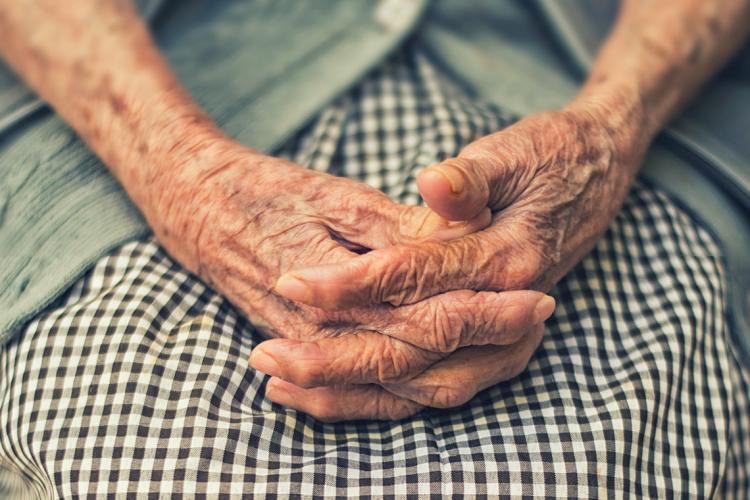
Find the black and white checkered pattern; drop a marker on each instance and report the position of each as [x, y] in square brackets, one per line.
[136, 382]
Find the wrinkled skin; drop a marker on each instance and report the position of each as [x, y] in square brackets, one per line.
[240, 220]
[553, 182]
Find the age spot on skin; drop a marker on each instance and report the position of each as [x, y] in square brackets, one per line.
[118, 104]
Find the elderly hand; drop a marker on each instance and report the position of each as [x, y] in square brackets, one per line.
[553, 181]
[451, 381]
[240, 220]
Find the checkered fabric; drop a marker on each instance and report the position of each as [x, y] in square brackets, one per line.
[136, 382]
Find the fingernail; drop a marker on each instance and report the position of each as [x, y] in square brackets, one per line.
[453, 175]
[292, 288]
[276, 393]
[543, 309]
[264, 362]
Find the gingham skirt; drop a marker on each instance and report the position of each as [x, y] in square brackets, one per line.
[136, 382]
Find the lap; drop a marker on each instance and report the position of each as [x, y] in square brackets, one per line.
[137, 379]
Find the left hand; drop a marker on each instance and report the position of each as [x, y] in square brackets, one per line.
[553, 181]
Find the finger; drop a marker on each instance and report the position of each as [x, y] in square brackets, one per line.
[489, 260]
[385, 224]
[307, 244]
[462, 318]
[332, 404]
[360, 357]
[459, 377]
[396, 275]
[454, 189]
[413, 340]
[490, 172]
[420, 224]
[408, 339]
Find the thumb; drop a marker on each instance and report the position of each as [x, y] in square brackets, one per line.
[398, 224]
[421, 224]
[455, 188]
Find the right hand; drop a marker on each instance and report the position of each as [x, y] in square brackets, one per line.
[240, 220]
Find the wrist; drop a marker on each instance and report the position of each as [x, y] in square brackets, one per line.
[183, 161]
[174, 193]
[619, 112]
[159, 157]
[194, 181]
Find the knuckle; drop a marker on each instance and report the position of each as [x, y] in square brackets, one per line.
[474, 249]
[508, 153]
[515, 266]
[448, 330]
[309, 375]
[399, 283]
[505, 325]
[414, 223]
[395, 363]
[524, 270]
[418, 272]
[450, 395]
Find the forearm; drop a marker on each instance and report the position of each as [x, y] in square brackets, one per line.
[656, 59]
[96, 64]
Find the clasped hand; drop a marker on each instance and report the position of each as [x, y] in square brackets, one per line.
[376, 310]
